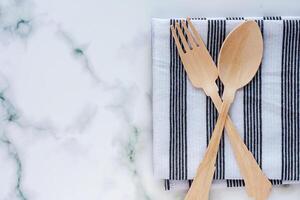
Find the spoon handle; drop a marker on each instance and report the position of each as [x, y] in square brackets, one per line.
[200, 187]
[256, 183]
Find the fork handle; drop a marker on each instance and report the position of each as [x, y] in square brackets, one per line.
[201, 185]
[257, 184]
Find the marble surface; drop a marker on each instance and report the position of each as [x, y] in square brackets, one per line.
[75, 96]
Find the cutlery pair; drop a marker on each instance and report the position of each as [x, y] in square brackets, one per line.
[239, 60]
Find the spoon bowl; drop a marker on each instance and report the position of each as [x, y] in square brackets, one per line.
[240, 55]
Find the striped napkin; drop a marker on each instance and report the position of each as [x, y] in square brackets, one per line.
[265, 112]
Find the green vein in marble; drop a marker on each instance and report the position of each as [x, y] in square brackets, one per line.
[14, 155]
[11, 114]
[79, 52]
[23, 27]
[15, 15]
[131, 150]
[22, 22]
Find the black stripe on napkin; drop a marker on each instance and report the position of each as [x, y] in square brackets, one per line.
[272, 18]
[234, 18]
[167, 184]
[276, 182]
[198, 18]
[215, 37]
[229, 183]
[290, 100]
[253, 113]
[241, 183]
[190, 183]
[178, 106]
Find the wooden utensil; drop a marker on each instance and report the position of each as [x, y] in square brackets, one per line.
[202, 72]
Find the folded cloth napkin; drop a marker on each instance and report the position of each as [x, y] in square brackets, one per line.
[265, 112]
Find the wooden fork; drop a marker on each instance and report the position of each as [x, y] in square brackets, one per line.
[203, 73]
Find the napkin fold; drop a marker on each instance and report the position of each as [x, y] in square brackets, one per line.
[265, 112]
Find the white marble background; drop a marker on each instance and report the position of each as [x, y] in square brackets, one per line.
[75, 96]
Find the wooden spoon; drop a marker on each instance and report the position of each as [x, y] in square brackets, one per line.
[239, 60]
